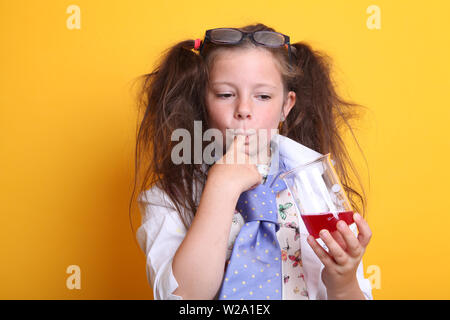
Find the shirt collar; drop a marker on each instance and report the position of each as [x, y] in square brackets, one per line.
[288, 154]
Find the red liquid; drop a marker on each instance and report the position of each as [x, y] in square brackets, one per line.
[316, 222]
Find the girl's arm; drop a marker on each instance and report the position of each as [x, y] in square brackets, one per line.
[198, 264]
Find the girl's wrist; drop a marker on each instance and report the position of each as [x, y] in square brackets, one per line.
[351, 291]
[222, 184]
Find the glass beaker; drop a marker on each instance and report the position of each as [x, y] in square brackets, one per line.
[318, 195]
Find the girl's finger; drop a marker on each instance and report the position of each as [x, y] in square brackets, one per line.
[339, 239]
[353, 246]
[364, 231]
[336, 251]
[320, 252]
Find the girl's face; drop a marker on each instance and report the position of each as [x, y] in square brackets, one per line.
[245, 92]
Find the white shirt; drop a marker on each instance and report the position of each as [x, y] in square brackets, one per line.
[162, 231]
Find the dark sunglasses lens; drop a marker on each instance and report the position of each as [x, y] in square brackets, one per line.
[269, 38]
[225, 35]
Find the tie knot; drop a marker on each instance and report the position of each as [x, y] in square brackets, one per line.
[259, 204]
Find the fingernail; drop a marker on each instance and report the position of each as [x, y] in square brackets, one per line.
[356, 216]
[323, 233]
[341, 224]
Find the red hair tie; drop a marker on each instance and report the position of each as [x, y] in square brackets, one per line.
[197, 44]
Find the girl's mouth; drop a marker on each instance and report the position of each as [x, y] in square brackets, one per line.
[249, 133]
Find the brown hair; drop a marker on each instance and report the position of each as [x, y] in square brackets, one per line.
[173, 96]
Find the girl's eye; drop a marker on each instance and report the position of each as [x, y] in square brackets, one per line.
[224, 95]
[227, 95]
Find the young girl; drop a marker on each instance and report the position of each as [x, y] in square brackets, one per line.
[247, 79]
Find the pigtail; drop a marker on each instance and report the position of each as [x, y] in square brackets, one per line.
[178, 76]
[321, 116]
[172, 97]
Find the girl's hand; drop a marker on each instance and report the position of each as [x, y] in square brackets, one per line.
[235, 167]
[341, 262]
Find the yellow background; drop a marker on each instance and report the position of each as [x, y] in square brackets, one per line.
[67, 126]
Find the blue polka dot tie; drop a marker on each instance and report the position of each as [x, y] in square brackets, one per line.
[254, 269]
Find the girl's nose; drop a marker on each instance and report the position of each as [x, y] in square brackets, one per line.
[243, 111]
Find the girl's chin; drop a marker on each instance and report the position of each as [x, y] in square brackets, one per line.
[252, 152]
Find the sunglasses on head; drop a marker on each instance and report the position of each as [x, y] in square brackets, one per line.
[233, 36]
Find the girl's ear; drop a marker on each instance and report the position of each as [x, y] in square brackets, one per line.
[288, 104]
